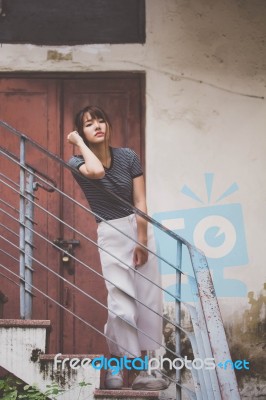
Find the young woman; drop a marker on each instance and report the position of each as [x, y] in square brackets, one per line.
[119, 171]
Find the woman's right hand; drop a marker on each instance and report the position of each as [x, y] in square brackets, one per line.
[74, 138]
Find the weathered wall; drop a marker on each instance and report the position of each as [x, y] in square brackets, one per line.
[205, 64]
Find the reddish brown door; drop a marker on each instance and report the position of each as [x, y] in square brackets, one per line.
[44, 109]
[32, 106]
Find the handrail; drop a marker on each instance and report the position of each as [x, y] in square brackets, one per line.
[212, 324]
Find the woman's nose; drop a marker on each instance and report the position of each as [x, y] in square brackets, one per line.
[96, 123]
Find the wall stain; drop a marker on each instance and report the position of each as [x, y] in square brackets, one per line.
[246, 333]
[54, 55]
[246, 336]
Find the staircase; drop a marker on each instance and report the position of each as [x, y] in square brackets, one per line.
[22, 342]
[22, 352]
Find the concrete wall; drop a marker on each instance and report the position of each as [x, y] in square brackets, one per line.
[205, 63]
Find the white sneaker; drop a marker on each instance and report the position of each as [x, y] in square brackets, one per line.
[144, 381]
[113, 381]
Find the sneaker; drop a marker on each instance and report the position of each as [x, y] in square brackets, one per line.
[113, 381]
[144, 381]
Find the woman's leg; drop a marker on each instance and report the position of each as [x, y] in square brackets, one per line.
[121, 326]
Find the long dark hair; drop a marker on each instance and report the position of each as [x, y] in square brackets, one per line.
[96, 113]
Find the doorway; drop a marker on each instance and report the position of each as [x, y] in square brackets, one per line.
[43, 107]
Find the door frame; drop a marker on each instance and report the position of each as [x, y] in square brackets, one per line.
[64, 76]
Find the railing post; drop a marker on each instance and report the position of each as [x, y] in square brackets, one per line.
[25, 235]
[22, 228]
[178, 314]
[29, 243]
[221, 353]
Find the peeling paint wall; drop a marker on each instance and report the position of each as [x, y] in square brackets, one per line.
[205, 65]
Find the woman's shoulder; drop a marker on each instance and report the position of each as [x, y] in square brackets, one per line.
[75, 161]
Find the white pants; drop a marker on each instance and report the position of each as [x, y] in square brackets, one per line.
[127, 285]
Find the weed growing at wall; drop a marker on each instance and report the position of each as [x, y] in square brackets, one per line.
[12, 388]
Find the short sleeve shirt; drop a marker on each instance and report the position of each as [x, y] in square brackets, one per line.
[118, 179]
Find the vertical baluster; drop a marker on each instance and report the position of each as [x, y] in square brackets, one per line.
[29, 208]
[178, 314]
[22, 228]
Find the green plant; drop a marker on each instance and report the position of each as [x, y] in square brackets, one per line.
[82, 385]
[12, 388]
[53, 390]
[8, 388]
[31, 393]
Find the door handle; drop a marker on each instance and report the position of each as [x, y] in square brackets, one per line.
[67, 247]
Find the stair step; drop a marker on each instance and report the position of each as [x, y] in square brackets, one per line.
[49, 357]
[22, 344]
[128, 394]
[24, 323]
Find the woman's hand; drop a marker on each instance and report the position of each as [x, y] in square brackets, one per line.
[140, 256]
[74, 138]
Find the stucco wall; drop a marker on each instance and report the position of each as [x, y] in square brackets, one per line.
[205, 64]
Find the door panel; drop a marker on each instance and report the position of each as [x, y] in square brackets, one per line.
[31, 106]
[44, 109]
[121, 99]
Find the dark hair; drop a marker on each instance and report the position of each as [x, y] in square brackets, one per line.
[96, 113]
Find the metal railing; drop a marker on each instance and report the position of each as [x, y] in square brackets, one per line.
[207, 339]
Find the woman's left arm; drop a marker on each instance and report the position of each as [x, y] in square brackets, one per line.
[140, 255]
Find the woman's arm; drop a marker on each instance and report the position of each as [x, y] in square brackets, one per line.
[93, 167]
[140, 255]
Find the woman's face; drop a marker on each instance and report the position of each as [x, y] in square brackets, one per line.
[95, 130]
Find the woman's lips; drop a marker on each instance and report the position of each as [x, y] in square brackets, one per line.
[99, 134]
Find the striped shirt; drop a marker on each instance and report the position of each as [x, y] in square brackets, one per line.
[118, 179]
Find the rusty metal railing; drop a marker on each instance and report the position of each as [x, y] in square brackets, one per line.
[208, 338]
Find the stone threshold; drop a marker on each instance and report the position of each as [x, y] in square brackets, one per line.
[25, 323]
[49, 357]
[126, 394]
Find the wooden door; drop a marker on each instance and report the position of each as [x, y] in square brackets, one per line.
[44, 109]
[31, 106]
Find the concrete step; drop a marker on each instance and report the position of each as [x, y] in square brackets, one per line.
[67, 371]
[22, 352]
[126, 393]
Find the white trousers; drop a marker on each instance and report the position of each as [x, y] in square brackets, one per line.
[124, 285]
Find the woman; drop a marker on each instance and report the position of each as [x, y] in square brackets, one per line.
[118, 170]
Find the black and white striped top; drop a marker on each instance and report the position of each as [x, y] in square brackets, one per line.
[118, 179]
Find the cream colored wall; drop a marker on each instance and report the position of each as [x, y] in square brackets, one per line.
[205, 63]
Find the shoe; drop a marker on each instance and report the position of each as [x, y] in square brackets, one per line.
[144, 381]
[113, 381]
